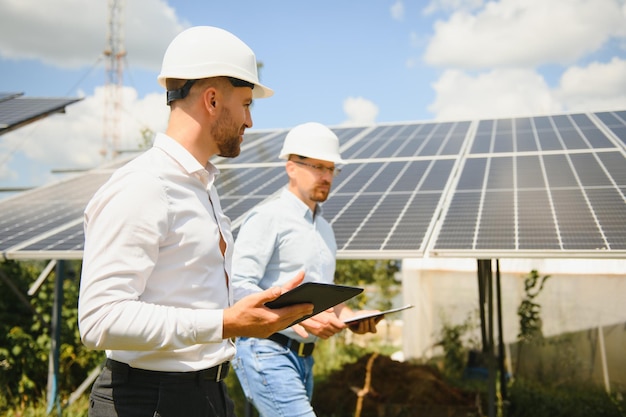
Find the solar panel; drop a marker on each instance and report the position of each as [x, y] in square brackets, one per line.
[561, 197]
[373, 209]
[616, 123]
[7, 96]
[46, 213]
[540, 186]
[16, 111]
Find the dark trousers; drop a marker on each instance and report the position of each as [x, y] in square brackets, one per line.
[121, 391]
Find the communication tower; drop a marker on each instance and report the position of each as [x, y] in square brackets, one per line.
[114, 54]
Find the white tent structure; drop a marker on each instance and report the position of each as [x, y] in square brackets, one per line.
[581, 295]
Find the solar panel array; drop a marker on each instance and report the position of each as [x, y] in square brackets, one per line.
[522, 187]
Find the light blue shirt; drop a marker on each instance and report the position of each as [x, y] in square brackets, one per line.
[278, 239]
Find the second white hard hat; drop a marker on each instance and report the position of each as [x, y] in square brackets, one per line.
[207, 51]
[312, 140]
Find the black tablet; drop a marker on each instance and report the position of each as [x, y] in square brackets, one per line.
[322, 296]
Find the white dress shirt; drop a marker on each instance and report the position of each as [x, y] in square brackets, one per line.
[154, 280]
[277, 240]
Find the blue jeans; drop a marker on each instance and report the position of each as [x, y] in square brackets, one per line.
[277, 381]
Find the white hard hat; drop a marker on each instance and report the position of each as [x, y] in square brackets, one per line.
[312, 140]
[205, 51]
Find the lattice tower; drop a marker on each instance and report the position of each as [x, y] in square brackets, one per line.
[114, 53]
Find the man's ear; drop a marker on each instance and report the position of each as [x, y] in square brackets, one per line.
[290, 167]
[210, 99]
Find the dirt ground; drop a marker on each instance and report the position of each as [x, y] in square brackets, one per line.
[377, 386]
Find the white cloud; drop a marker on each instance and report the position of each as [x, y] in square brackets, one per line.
[29, 29]
[72, 33]
[6, 174]
[518, 92]
[525, 33]
[497, 93]
[360, 111]
[596, 87]
[451, 5]
[397, 10]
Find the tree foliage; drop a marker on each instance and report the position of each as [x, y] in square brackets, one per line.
[456, 341]
[25, 335]
[529, 311]
[378, 274]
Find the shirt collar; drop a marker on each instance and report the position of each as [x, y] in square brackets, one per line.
[299, 205]
[181, 155]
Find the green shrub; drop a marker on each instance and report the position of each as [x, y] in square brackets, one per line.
[531, 399]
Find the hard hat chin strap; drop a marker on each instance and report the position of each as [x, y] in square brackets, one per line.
[181, 93]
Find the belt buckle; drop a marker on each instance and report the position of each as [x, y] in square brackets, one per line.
[301, 349]
[218, 377]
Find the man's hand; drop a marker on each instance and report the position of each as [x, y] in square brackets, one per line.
[365, 325]
[324, 324]
[249, 316]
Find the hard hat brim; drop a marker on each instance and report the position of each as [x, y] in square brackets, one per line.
[261, 91]
[321, 157]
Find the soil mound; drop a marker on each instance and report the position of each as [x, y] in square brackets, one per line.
[377, 386]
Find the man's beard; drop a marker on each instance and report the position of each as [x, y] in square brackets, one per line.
[226, 135]
[319, 196]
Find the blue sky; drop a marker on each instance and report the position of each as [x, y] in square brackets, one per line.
[331, 61]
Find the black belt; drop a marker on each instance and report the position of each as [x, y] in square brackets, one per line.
[216, 373]
[300, 349]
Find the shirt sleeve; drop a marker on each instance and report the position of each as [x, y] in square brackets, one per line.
[124, 225]
[253, 251]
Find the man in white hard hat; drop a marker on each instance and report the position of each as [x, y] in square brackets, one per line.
[155, 291]
[278, 239]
